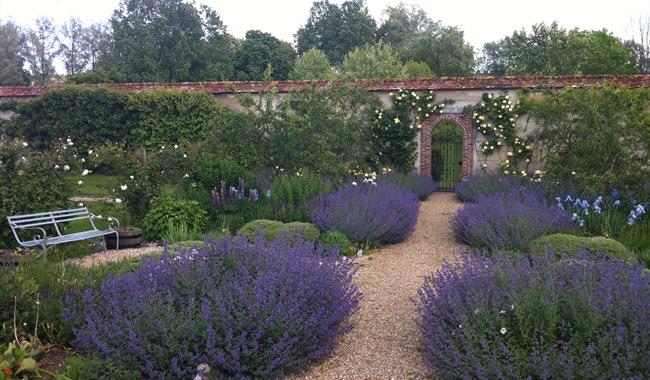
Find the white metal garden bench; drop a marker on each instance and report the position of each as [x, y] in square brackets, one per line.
[52, 220]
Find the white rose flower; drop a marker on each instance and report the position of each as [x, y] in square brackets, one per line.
[25, 144]
[80, 182]
[131, 177]
[123, 187]
[85, 172]
[66, 168]
[118, 200]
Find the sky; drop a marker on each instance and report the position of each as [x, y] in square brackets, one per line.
[481, 20]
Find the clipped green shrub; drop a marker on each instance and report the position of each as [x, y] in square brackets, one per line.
[308, 231]
[570, 245]
[167, 211]
[167, 117]
[271, 229]
[97, 368]
[87, 116]
[336, 239]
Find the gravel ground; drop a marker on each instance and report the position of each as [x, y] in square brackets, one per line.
[114, 255]
[384, 342]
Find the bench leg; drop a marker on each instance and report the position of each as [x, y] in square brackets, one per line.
[43, 250]
[104, 243]
[117, 241]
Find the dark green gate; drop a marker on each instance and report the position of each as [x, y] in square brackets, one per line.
[447, 155]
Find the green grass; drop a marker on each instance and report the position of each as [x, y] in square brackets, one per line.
[94, 185]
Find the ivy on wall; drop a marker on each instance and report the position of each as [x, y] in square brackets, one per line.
[394, 129]
[495, 117]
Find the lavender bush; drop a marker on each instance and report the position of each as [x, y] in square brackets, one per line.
[487, 184]
[248, 310]
[581, 318]
[421, 185]
[368, 213]
[511, 222]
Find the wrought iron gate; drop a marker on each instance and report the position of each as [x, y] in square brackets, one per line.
[447, 155]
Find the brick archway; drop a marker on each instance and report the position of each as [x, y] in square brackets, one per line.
[468, 141]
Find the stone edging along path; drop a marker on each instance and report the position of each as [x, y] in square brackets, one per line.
[384, 343]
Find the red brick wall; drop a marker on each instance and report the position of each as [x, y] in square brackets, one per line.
[441, 83]
[468, 141]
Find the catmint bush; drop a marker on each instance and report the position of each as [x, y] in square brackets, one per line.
[508, 221]
[488, 184]
[248, 310]
[515, 319]
[421, 185]
[368, 213]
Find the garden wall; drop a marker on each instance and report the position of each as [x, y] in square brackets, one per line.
[463, 91]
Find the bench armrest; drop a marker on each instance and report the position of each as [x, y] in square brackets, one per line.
[113, 223]
[36, 236]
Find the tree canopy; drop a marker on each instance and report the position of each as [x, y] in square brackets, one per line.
[336, 30]
[552, 50]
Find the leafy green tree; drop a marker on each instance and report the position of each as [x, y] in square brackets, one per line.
[444, 49]
[372, 61]
[259, 50]
[336, 30]
[551, 50]
[169, 41]
[596, 137]
[414, 69]
[404, 23]
[640, 45]
[312, 65]
[12, 62]
[41, 50]
[74, 46]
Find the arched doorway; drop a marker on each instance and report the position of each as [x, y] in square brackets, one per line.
[447, 155]
[460, 122]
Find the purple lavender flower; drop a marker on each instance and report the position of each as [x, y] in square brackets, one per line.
[518, 319]
[248, 310]
[421, 185]
[513, 221]
[367, 213]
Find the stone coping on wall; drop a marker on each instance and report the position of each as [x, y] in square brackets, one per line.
[442, 83]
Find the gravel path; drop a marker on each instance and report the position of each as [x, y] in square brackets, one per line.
[384, 342]
[114, 255]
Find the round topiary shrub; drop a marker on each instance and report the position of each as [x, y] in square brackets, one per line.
[570, 245]
[368, 213]
[336, 239]
[421, 185]
[516, 319]
[166, 212]
[307, 230]
[269, 229]
[508, 222]
[248, 310]
[272, 229]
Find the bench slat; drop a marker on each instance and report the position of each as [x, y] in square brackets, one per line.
[47, 214]
[44, 220]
